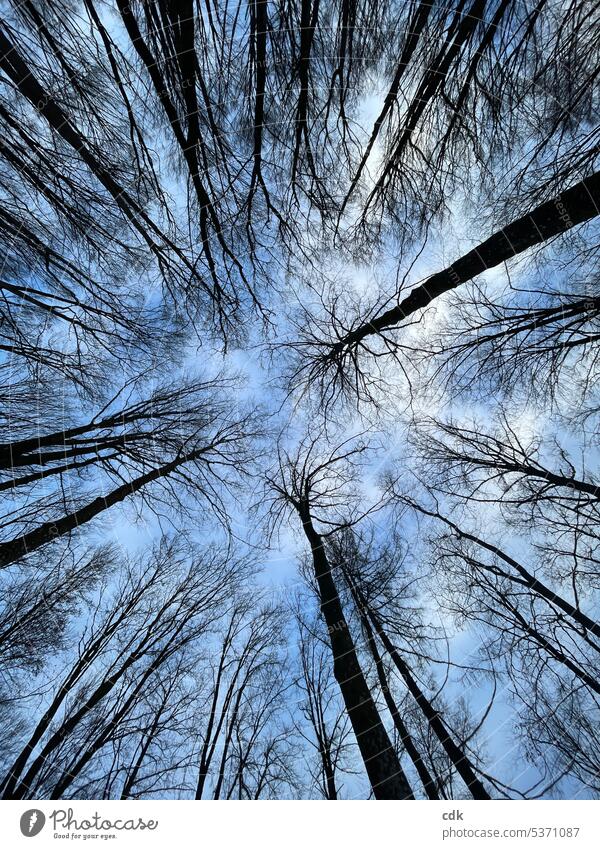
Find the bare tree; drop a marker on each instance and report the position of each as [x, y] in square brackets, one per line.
[331, 347]
[161, 440]
[327, 719]
[38, 605]
[352, 563]
[159, 608]
[247, 689]
[534, 625]
[314, 487]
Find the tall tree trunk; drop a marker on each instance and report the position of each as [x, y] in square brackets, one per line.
[525, 577]
[574, 206]
[381, 761]
[329, 777]
[146, 741]
[427, 779]
[80, 667]
[49, 531]
[457, 756]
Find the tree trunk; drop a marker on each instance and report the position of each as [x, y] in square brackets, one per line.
[525, 577]
[49, 531]
[459, 758]
[429, 784]
[574, 206]
[381, 761]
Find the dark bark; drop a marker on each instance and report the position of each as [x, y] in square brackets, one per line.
[416, 26]
[457, 756]
[381, 761]
[210, 739]
[574, 206]
[47, 532]
[525, 577]
[429, 784]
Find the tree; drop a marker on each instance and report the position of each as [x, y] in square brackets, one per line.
[242, 754]
[534, 625]
[352, 562]
[330, 347]
[155, 440]
[133, 636]
[535, 483]
[313, 488]
[37, 606]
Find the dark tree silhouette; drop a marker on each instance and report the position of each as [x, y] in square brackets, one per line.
[330, 349]
[156, 439]
[310, 486]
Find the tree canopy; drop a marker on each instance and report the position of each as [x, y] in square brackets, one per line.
[299, 328]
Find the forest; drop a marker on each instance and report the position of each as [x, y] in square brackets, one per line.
[299, 421]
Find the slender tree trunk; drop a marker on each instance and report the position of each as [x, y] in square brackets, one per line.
[227, 742]
[49, 531]
[381, 761]
[81, 665]
[415, 29]
[19, 788]
[210, 740]
[429, 784]
[108, 731]
[329, 777]
[147, 740]
[525, 577]
[458, 757]
[574, 206]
